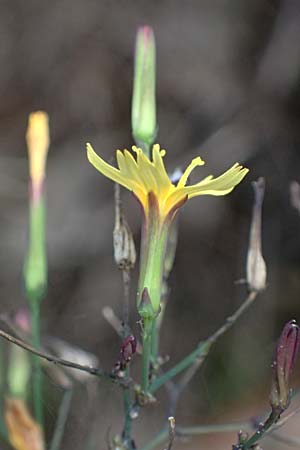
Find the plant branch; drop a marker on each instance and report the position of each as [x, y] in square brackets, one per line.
[180, 432]
[63, 362]
[172, 432]
[126, 392]
[196, 358]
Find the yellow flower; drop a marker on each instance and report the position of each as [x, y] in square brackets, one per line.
[143, 176]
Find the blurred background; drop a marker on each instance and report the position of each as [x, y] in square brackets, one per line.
[228, 90]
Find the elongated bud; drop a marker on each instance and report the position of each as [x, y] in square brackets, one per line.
[286, 353]
[256, 266]
[35, 268]
[143, 112]
[23, 432]
[124, 248]
[38, 141]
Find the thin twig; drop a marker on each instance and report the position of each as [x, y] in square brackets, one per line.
[63, 362]
[196, 358]
[181, 432]
[172, 432]
[127, 392]
[126, 298]
[125, 258]
[176, 389]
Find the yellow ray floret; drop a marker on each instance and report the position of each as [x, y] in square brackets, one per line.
[142, 176]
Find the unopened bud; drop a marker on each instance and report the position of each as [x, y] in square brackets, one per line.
[143, 112]
[128, 349]
[124, 248]
[23, 432]
[38, 140]
[286, 353]
[256, 266]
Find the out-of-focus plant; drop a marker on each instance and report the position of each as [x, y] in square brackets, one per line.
[35, 268]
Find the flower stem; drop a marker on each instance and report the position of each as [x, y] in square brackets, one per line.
[147, 334]
[154, 341]
[127, 414]
[37, 369]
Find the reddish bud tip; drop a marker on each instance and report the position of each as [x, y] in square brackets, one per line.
[286, 354]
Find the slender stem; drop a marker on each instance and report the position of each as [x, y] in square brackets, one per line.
[126, 392]
[61, 420]
[64, 362]
[37, 369]
[126, 308]
[127, 414]
[162, 436]
[146, 357]
[197, 356]
[260, 432]
[201, 350]
[154, 340]
[172, 432]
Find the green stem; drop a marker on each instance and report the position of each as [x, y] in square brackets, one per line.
[198, 355]
[259, 434]
[37, 369]
[146, 357]
[200, 351]
[154, 341]
[61, 420]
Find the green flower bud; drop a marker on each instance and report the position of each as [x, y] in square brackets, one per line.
[143, 112]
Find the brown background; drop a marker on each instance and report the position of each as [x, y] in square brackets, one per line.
[227, 89]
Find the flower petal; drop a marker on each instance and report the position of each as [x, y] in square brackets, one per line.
[106, 169]
[221, 185]
[195, 163]
[163, 179]
[146, 170]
